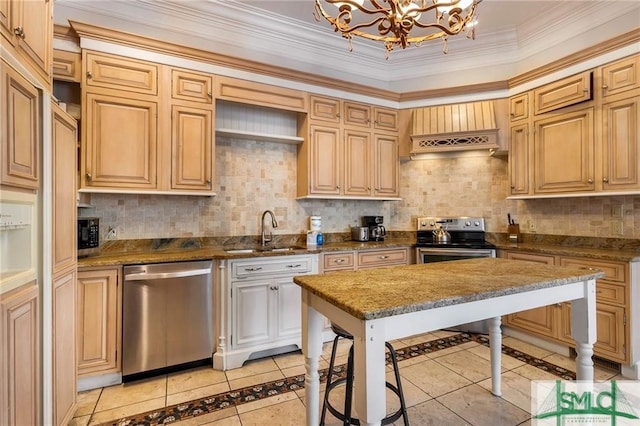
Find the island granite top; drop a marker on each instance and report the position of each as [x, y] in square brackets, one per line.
[378, 293]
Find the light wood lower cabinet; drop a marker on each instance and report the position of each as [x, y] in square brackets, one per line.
[612, 307]
[99, 321]
[20, 382]
[64, 338]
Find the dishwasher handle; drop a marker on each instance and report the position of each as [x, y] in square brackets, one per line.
[165, 275]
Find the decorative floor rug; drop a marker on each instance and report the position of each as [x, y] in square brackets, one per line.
[236, 397]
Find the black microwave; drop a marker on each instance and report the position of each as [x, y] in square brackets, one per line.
[88, 236]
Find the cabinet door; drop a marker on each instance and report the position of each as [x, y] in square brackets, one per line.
[34, 30]
[190, 86]
[64, 359]
[324, 109]
[562, 93]
[99, 321]
[6, 21]
[564, 158]
[21, 125]
[64, 169]
[386, 165]
[251, 317]
[385, 119]
[621, 76]
[289, 318]
[356, 114]
[116, 126]
[519, 159]
[519, 107]
[325, 160]
[113, 72]
[357, 163]
[20, 386]
[621, 143]
[67, 66]
[543, 320]
[192, 148]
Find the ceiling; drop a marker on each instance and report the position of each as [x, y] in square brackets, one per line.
[512, 37]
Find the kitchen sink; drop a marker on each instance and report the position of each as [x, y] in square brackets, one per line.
[263, 250]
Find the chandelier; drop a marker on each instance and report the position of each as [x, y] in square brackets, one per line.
[400, 22]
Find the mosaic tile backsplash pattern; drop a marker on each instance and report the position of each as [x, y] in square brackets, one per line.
[255, 176]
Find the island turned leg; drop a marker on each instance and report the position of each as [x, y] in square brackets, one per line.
[495, 348]
[583, 330]
[312, 323]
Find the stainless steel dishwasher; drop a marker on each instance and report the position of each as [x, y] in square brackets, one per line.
[167, 316]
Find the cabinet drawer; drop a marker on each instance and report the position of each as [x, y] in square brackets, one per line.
[614, 271]
[248, 92]
[191, 86]
[338, 261]
[289, 265]
[325, 109]
[610, 293]
[562, 93]
[67, 66]
[372, 259]
[385, 119]
[621, 76]
[118, 73]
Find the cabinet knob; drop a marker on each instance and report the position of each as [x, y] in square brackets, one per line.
[559, 305]
[297, 265]
[89, 74]
[209, 94]
[88, 176]
[338, 115]
[384, 257]
[605, 180]
[589, 180]
[19, 31]
[208, 181]
[585, 90]
[604, 86]
[338, 187]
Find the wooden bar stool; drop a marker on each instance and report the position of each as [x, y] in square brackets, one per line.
[345, 415]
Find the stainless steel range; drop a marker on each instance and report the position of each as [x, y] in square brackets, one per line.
[441, 239]
[451, 238]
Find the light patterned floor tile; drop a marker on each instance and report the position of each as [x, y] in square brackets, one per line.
[256, 380]
[225, 417]
[288, 413]
[289, 360]
[80, 421]
[197, 393]
[525, 347]
[251, 368]
[87, 401]
[506, 362]
[127, 410]
[193, 379]
[433, 378]
[467, 364]
[515, 389]
[431, 413]
[124, 394]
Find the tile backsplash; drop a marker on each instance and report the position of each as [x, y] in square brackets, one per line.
[255, 176]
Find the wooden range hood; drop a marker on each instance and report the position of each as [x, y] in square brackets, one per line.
[456, 127]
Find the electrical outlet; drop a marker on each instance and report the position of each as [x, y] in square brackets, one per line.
[112, 234]
[617, 227]
[532, 226]
[617, 212]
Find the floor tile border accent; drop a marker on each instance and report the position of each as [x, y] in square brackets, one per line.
[237, 397]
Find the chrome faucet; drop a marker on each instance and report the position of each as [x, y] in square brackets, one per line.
[274, 224]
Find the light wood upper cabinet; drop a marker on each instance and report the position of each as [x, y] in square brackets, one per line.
[64, 167]
[356, 114]
[191, 86]
[117, 125]
[519, 107]
[21, 128]
[244, 91]
[386, 165]
[386, 119]
[621, 142]
[564, 152]
[357, 163]
[562, 93]
[20, 386]
[620, 76]
[67, 66]
[346, 154]
[113, 72]
[99, 321]
[27, 25]
[519, 171]
[192, 148]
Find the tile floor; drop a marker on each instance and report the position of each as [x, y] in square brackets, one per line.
[445, 387]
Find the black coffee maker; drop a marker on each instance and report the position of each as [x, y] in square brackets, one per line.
[377, 232]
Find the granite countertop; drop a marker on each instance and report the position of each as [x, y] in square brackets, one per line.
[379, 293]
[176, 250]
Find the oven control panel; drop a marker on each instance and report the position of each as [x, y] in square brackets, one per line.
[451, 223]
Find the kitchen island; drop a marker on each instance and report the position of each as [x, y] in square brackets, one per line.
[390, 303]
